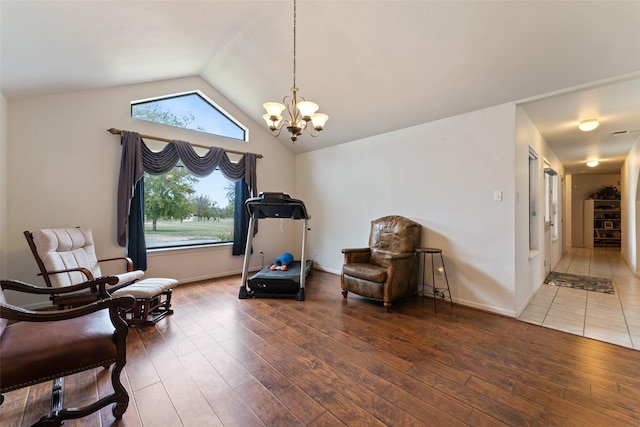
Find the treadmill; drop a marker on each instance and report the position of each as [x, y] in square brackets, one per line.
[275, 284]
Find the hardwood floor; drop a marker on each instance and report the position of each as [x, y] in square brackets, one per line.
[221, 361]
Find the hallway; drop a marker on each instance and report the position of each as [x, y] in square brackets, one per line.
[610, 318]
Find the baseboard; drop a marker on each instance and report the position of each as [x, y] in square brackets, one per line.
[488, 308]
[218, 275]
[327, 270]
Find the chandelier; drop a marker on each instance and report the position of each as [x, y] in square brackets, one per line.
[302, 113]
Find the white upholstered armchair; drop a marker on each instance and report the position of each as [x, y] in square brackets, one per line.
[67, 256]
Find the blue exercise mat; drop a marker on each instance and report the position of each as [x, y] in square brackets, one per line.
[284, 259]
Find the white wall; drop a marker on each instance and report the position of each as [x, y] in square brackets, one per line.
[530, 268]
[3, 187]
[630, 206]
[441, 174]
[64, 165]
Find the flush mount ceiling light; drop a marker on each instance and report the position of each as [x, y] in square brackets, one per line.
[593, 163]
[300, 111]
[588, 125]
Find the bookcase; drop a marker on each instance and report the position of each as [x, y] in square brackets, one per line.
[602, 225]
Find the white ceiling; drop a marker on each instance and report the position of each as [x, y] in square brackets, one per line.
[373, 66]
[616, 105]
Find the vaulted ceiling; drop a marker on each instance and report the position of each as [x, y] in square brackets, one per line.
[374, 66]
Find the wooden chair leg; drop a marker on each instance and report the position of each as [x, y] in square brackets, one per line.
[149, 310]
[145, 309]
[119, 397]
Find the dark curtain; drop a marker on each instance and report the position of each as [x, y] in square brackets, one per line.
[137, 158]
[240, 218]
[131, 171]
[137, 248]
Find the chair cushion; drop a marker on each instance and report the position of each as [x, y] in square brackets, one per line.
[64, 248]
[128, 277]
[364, 288]
[147, 288]
[369, 272]
[33, 352]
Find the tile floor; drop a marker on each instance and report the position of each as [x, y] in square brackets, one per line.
[604, 317]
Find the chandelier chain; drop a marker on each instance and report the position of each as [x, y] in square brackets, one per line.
[294, 43]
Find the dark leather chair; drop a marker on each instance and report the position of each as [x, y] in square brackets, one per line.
[42, 346]
[388, 269]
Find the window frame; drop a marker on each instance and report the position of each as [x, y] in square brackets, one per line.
[206, 99]
[173, 244]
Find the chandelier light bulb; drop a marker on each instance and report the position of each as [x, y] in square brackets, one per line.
[319, 120]
[272, 121]
[307, 109]
[273, 108]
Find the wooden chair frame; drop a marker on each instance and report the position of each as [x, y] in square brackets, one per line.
[30, 321]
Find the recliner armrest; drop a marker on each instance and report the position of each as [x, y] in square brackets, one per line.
[349, 250]
[405, 255]
[352, 255]
[127, 260]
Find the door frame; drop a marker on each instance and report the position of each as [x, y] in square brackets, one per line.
[550, 215]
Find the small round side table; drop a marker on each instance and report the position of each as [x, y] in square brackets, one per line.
[437, 292]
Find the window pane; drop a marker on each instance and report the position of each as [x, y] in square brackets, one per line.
[188, 111]
[183, 210]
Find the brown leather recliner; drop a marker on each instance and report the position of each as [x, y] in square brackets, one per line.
[388, 269]
[49, 345]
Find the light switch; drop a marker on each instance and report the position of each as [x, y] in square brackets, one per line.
[497, 196]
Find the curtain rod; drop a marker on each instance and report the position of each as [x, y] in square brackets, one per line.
[157, 138]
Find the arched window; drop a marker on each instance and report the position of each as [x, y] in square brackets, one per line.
[191, 110]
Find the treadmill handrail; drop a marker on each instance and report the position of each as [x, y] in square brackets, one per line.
[276, 205]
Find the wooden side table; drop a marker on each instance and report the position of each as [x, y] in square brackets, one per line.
[437, 292]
